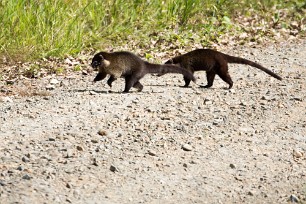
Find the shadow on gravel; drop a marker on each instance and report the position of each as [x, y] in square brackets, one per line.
[93, 92]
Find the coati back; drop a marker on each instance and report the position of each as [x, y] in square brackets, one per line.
[213, 62]
[131, 67]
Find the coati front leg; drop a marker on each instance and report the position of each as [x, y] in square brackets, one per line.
[100, 76]
[111, 80]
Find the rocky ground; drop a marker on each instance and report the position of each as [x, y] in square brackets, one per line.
[82, 143]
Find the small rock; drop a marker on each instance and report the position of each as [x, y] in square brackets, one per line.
[294, 199]
[26, 177]
[80, 148]
[250, 193]
[2, 183]
[6, 99]
[102, 132]
[113, 168]
[68, 61]
[20, 168]
[232, 166]
[94, 140]
[95, 162]
[84, 72]
[54, 81]
[207, 101]
[51, 139]
[187, 147]
[25, 159]
[10, 82]
[68, 185]
[92, 93]
[50, 87]
[152, 153]
[297, 154]
[70, 153]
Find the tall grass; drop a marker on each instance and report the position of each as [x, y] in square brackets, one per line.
[42, 28]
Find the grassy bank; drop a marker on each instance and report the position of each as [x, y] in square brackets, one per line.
[34, 28]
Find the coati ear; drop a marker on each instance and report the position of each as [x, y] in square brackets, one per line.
[102, 58]
[170, 61]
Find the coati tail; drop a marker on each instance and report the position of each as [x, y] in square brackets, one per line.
[168, 68]
[239, 60]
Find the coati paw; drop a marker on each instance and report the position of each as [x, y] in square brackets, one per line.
[206, 86]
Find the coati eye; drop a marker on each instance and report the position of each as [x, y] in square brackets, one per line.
[95, 63]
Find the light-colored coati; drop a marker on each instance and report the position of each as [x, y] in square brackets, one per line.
[131, 67]
[213, 62]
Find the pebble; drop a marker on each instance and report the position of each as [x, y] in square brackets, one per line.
[2, 183]
[294, 199]
[151, 152]
[92, 93]
[26, 177]
[94, 141]
[297, 154]
[70, 153]
[54, 81]
[25, 159]
[20, 168]
[232, 166]
[6, 99]
[113, 168]
[187, 147]
[50, 87]
[68, 185]
[102, 132]
[79, 148]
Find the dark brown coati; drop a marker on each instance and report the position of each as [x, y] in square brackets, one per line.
[213, 62]
[131, 67]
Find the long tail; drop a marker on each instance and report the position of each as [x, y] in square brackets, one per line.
[239, 60]
[162, 69]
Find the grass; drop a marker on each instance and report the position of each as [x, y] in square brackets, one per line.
[32, 29]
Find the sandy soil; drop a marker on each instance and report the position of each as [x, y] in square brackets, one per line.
[81, 143]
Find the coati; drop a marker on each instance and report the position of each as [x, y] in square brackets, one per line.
[213, 62]
[131, 67]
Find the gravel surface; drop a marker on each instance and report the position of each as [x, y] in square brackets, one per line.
[79, 142]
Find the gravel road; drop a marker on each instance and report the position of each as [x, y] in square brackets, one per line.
[82, 143]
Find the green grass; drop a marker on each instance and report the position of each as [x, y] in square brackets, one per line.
[32, 29]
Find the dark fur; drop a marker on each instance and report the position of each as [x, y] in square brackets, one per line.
[131, 67]
[213, 62]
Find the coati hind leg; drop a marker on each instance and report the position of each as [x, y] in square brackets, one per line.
[187, 82]
[210, 76]
[131, 81]
[224, 75]
[138, 86]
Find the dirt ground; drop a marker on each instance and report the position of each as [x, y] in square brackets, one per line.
[82, 143]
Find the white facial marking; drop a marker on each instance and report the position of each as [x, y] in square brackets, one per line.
[106, 63]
